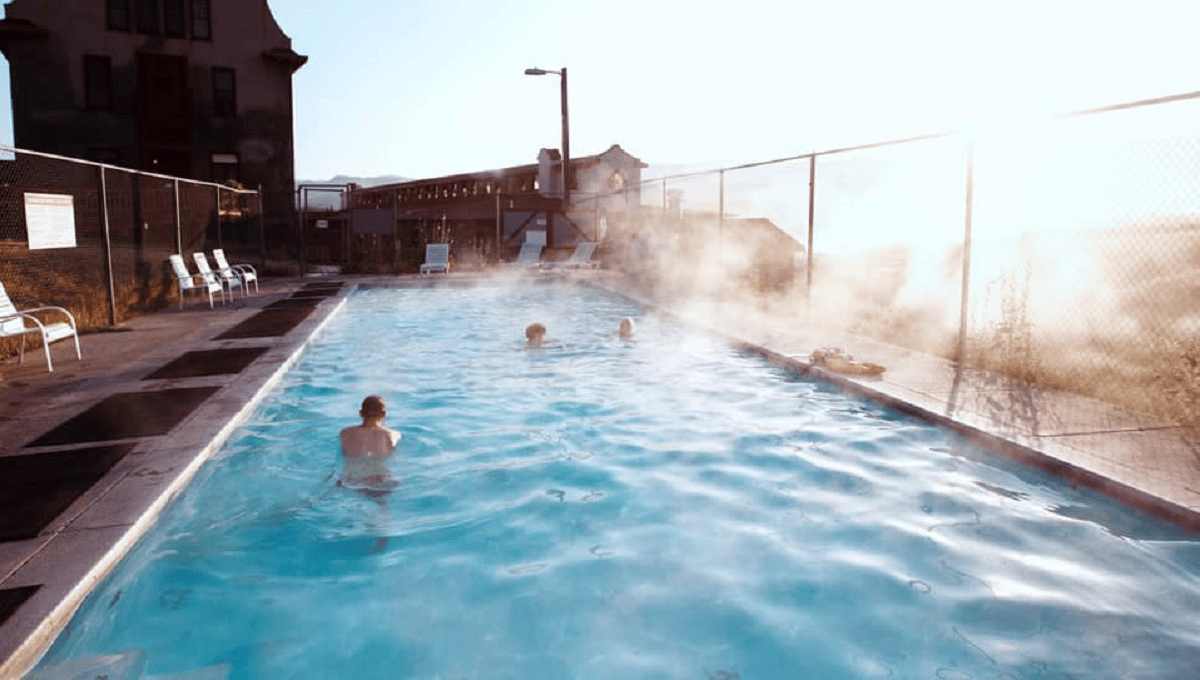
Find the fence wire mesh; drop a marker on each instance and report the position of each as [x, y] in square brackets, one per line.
[94, 239]
[1064, 253]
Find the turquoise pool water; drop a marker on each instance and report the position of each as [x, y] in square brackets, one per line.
[665, 508]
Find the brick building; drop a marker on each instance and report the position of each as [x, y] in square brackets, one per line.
[200, 89]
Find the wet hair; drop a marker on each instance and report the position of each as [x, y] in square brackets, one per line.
[534, 330]
[373, 406]
[626, 328]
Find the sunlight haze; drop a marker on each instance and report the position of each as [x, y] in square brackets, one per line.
[422, 89]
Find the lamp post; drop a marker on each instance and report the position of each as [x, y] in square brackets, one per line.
[566, 134]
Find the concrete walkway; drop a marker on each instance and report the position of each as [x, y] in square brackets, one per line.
[44, 578]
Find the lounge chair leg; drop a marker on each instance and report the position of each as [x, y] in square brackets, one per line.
[49, 363]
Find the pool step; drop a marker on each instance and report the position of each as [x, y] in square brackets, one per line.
[128, 665]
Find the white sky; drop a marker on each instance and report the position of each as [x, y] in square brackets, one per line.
[429, 87]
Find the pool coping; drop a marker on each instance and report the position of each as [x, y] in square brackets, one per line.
[82, 546]
[79, 549]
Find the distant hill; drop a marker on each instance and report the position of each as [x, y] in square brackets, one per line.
[360, 181]
[332, 200]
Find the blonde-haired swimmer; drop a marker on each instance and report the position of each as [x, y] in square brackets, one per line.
[625, 330]
[366, 447]
[535, 334]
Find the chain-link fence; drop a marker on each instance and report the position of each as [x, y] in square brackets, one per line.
[1065, 252]
[94, 238]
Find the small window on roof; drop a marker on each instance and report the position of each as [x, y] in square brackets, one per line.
[616, 181]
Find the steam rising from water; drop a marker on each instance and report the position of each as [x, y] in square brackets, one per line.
[1084, 257]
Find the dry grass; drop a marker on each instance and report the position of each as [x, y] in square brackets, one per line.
[77, 281]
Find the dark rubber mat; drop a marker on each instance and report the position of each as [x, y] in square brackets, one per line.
[127, 415]
[208, 362]
[289, 303]
[317, 293]
[11, 600]
[324, 284]
[269, 323]
[36, 488]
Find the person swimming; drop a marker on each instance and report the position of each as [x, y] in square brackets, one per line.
[625, 330]
[366, 448]
[535, 334]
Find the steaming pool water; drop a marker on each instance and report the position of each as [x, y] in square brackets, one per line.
[670, 507]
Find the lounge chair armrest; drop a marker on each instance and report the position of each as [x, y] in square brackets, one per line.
[23, 315]
[47, 308]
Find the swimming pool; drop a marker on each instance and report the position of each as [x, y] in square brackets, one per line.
[665, 508]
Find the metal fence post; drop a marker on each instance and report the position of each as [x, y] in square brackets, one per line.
[721, 220]
[396, 231]
[220, 239]
[499, 229]
[964, 309]
[178, 220]
[812, 199]
[108, 263]
[303, 219]
[262, 230]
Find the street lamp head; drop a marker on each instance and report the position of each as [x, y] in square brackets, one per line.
[535, 72]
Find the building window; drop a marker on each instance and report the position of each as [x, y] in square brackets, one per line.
[201, 22]
[224, 92]
[97, 82]
[147, 16]
[225, 168]
[174, 18]
[118, 15]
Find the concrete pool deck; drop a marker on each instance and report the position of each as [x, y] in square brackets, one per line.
[45, 576]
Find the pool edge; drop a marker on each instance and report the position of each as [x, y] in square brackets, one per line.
[26, 654]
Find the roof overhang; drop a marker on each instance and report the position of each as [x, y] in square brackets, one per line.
[286, 56]
[20, 29]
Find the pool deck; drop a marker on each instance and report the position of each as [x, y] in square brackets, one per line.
[44, 577]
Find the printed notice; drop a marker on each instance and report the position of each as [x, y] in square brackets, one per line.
[50, 220]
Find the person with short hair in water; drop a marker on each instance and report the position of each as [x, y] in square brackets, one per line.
[625, 329]
[535, 334]
[366, 448]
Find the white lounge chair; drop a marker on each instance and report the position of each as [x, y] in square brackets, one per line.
[437, 258]
[530, 255]
[198, 283]
[227, 278]
[247, 272]
[582, 257]
[12, 324]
